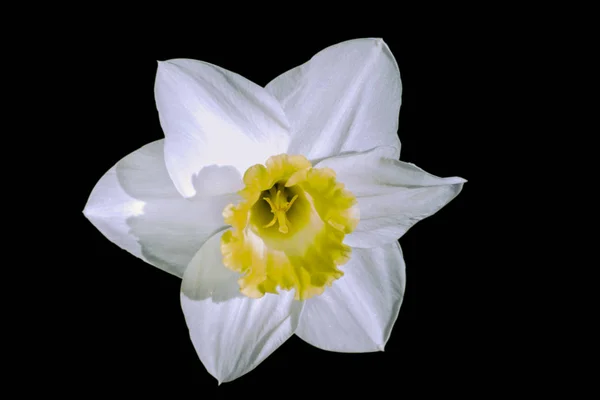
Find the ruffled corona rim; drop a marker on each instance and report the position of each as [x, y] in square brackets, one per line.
[288, 230]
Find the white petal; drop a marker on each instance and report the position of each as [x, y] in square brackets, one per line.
[211, 116]
[232, 333]
[136, 206]
[357, 313]
[392, 195]
[346, 98]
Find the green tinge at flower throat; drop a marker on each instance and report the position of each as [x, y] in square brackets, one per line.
[288, 230]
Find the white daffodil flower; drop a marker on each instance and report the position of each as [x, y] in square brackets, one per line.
[280, 207]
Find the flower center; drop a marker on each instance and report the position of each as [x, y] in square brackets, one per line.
[279, 206]
[288, 230]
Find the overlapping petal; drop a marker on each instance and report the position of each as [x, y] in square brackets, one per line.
[211, 116]
[392, 195]
[136, 206]
[358, 312]
[164, 203]
[346, 98]
[232, 333]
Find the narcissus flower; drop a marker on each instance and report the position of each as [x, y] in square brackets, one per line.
[280, 207]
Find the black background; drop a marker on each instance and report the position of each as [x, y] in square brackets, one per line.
[128, 332]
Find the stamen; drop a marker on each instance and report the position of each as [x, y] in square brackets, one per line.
[277, 198]
[273, 208]
[279, 206]
[289, 205]
[270, 224]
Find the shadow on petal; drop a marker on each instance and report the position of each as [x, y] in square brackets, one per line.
[206, 276]
[170, 228]
[217, 180]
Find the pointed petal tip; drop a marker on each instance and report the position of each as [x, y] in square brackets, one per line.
[455, 180]
[162, 63]
[87, 211]
[376, 41]
[166, 65]
[380, 43]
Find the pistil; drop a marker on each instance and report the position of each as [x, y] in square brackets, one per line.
[279, 206]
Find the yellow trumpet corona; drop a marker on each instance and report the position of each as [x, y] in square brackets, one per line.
[288, 230]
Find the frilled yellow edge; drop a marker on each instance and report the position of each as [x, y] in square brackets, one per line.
[288, 230]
